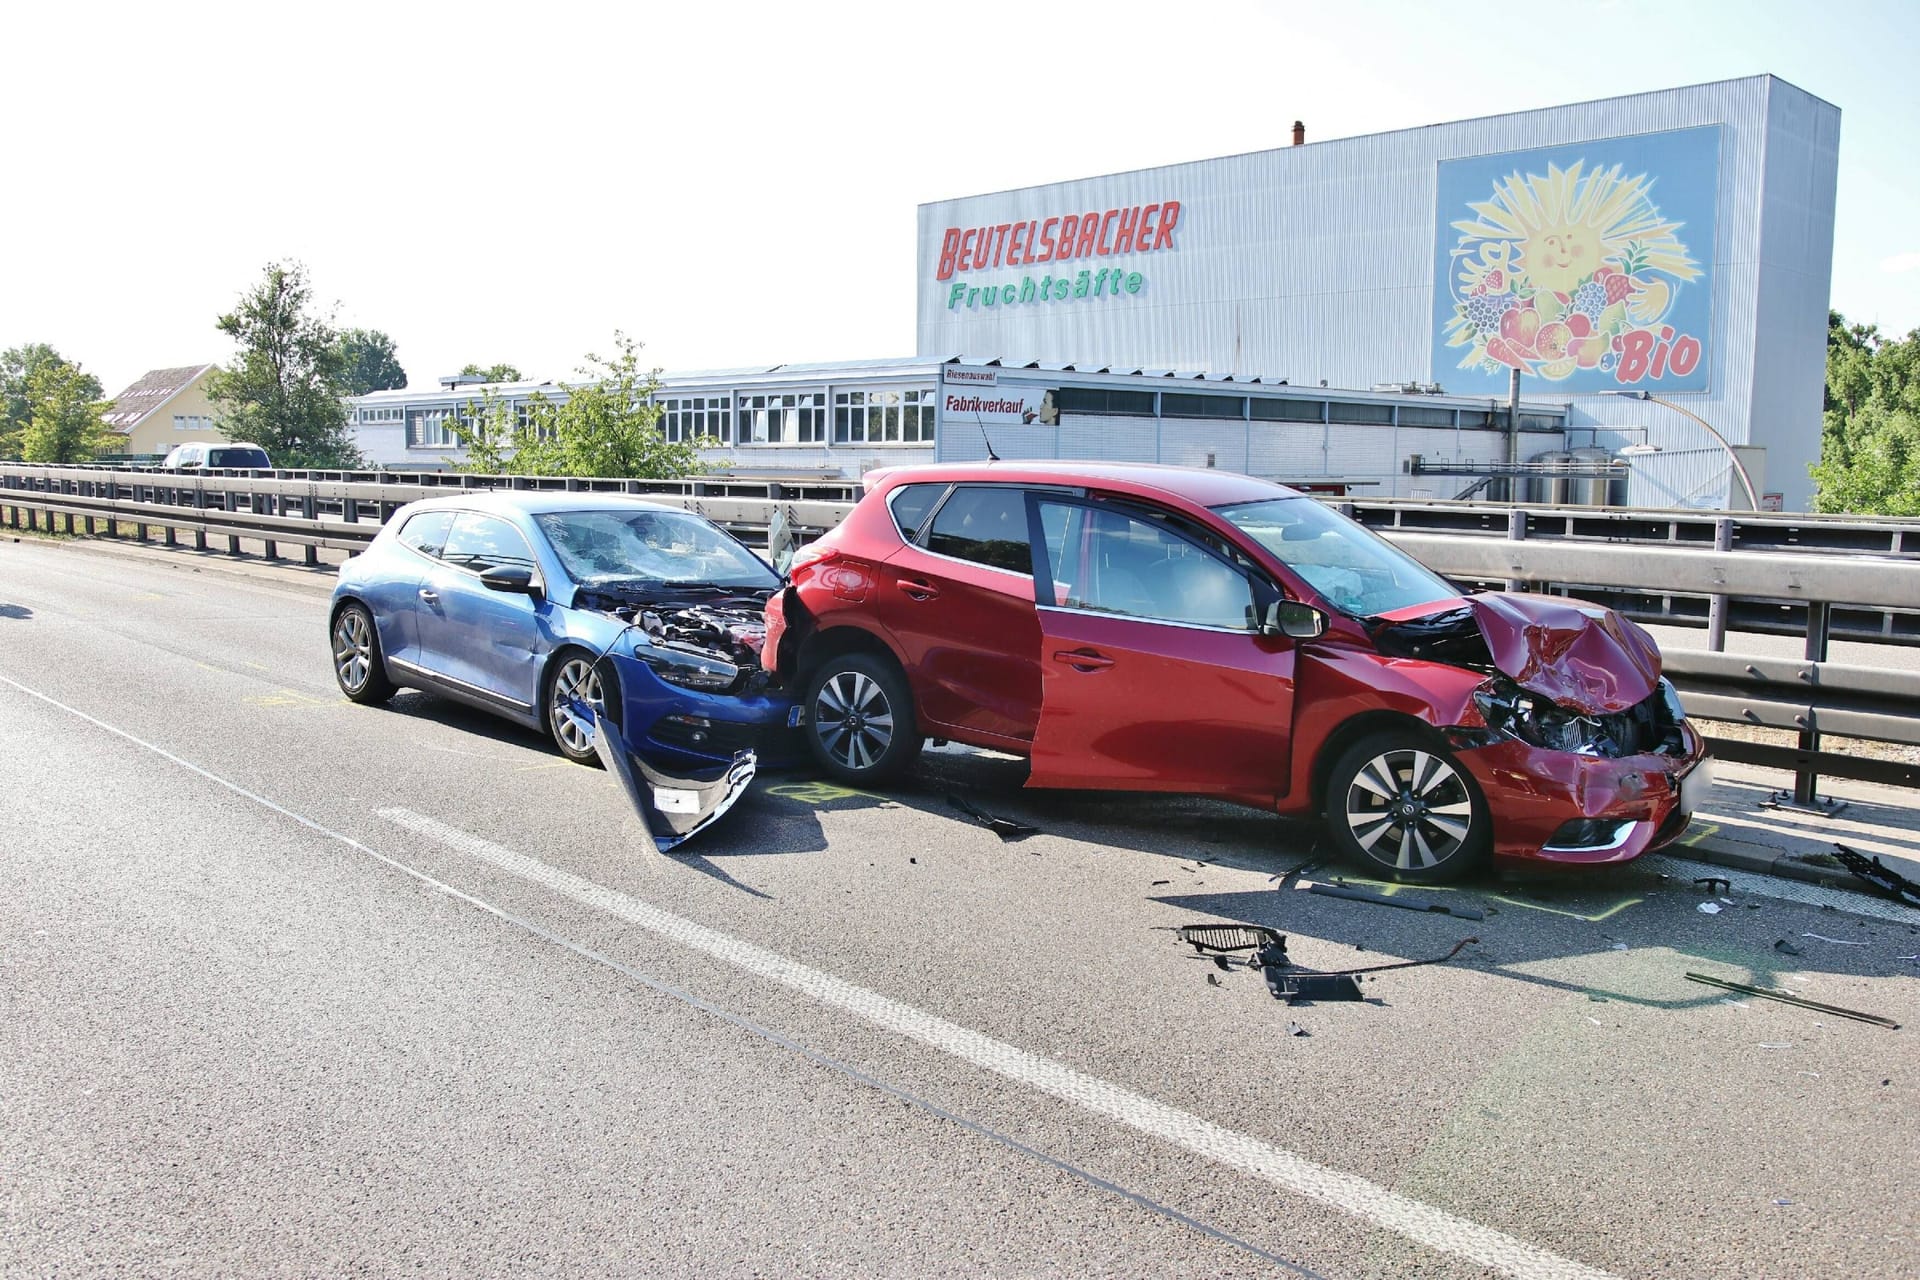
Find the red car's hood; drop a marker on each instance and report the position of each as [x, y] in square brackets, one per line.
[1579, 655]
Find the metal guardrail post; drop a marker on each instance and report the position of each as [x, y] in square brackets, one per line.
[1717, 605]
[199, 504]
[310, 507]
[1806, 782]
[1516, 532]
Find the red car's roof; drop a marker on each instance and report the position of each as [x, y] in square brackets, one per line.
[1203, 486]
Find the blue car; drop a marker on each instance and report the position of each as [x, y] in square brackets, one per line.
[620, 627]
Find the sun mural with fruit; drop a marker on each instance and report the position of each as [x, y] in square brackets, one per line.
[1572, 274]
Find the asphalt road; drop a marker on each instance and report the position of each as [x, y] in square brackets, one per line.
[294, 987]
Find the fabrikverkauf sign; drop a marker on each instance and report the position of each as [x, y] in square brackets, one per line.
[976, 263]
[977, 395]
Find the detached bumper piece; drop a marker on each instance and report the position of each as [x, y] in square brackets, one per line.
[1286, 980]
[674, 806]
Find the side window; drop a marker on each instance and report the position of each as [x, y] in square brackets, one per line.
[427, 532]
[1127, 565]
[985, 525]
[911, 503]
[478, 543]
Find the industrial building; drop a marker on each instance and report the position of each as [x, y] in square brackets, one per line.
[1346, 314]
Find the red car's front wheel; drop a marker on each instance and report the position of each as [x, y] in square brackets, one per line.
[1405, 808]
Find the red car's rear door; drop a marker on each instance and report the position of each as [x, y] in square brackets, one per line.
[1153, 675]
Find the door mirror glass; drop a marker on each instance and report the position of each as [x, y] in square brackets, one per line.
[510, 577]
[1291, 618]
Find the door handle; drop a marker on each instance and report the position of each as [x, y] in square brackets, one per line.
[1083, 659]
[430, 597]
[916, 590]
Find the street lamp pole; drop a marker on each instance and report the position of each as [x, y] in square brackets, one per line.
[1739, 467]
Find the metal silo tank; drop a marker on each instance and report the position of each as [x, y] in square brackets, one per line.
[1549, 486]
[1595, 490]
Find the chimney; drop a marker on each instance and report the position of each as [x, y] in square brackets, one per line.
[1299, 133]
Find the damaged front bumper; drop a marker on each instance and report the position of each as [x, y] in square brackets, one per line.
[1580, 809]
[683, 757]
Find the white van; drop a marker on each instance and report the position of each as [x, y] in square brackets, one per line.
[211, 457]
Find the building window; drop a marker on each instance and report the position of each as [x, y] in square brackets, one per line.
[1541, 422]
[376, 415]
[794, 417]
[431, 429]
[883, 417]
[1367, 414]
[1475, 419]
[1425, 415]
[1135, 404]
[1180, 405]
[685, 419]
[1288, 410]
[192, 422]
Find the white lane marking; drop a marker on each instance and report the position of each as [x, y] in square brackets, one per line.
[1785, 890]
[1423, 1223]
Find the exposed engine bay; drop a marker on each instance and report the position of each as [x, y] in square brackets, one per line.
[1562, 674]
[711, 643]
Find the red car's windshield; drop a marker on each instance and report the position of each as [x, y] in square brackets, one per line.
[1354, 568]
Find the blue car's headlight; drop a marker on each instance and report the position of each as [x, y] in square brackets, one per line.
[689, 670]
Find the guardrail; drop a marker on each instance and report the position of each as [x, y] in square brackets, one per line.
[1809, 697]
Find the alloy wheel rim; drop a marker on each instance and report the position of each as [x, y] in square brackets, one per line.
[1410, 809]
[352, 649]
[575, 689]
[853, 719]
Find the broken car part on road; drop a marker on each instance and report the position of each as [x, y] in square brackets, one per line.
[1007, 829]
[675, 801]
[1286, 980]
[1876, 873]
[1787, 997]
[1382, 900]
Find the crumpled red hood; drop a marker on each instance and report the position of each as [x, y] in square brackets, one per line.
[1580, 655]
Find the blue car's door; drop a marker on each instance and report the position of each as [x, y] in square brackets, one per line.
[485, 640]
[394, 590]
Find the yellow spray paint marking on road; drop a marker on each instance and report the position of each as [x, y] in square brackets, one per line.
[1389, 888]
[289, 699]
[819, 792]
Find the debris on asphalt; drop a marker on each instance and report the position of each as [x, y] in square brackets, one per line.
[1787, 997]
[1224, 943]
[1314, 859]
[1782, 1202]
[1224, 939]
[1618, 946]
[1726, 885]
[1312, 987]
[1213, 979]
[1382, 900]
[1708, 908]
[1295, 1029]
[1157, 883]
[1787, 948]
[1839, 942]
[1876, 873]
[1006, 828]
[1776, 1046]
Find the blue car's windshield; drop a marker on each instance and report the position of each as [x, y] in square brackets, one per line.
[651, 545]
[1354, 568]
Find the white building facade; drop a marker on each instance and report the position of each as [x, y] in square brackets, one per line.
[1677, 244]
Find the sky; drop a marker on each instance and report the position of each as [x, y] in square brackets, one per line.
[735, 184]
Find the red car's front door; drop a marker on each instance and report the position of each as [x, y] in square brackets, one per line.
[1153, 675]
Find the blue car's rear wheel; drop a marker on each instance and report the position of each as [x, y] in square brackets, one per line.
[572, 702]
[357, 661]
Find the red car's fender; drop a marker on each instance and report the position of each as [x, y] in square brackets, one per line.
[1342, 691]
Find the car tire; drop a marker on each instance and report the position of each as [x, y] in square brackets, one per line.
[1401, 806]
[571, 678]
[859, 717]
[358, 665]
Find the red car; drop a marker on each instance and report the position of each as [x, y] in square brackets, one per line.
[1150, 628]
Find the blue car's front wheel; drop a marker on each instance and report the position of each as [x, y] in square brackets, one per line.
[573, 700]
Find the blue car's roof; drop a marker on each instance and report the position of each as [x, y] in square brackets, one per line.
[535, 502]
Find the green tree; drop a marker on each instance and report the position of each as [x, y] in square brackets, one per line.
[281, 390]
[607, 425]
[1870, 433]
[65, 420]
[367, 363]
[493, 372]
[17, 367]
